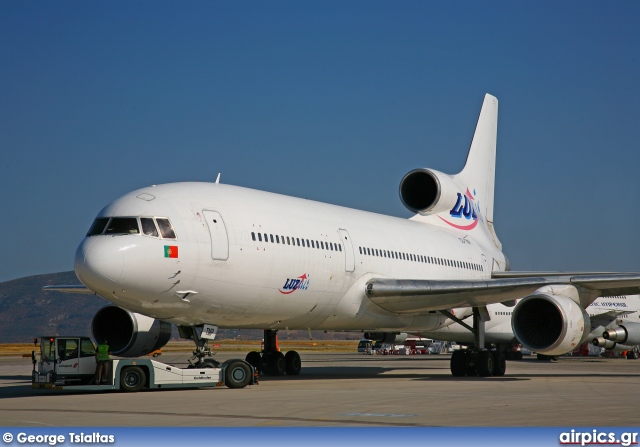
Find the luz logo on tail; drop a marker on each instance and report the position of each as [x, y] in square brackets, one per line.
[299, 283]
[465, 209]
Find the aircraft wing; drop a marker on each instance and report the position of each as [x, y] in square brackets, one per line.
[76, 288]
[412, 296]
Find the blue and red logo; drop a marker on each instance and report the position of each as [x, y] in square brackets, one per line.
[465, 209]
[299, 283]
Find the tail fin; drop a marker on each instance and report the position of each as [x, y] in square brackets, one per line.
[480, 169]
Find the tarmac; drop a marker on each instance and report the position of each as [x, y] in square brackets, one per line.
[350, 390]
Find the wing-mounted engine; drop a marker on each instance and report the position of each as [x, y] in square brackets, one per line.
[386, 337]
[627, 333]
[129, 334]
[549, 323]
[426, 191]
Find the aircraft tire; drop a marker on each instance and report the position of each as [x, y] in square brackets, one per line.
[499, 364]
[132, 379]
[293, 364]
[273, 363]
[458, 364]
[632, 355]
[254, 359]
[484, 363]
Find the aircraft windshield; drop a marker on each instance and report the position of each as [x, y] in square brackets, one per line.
[132, 225]
[123, 225]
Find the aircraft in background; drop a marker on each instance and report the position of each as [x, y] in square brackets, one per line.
[619, 314]
[209, 255]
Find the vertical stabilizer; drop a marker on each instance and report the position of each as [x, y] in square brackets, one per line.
[479, 171]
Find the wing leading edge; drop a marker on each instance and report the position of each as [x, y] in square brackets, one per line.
[407, 296]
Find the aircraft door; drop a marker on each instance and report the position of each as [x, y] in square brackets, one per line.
[349, 260]
[218, 232]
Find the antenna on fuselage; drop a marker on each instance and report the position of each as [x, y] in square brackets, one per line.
[218, 178]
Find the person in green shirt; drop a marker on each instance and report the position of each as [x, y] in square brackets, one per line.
[102, 358]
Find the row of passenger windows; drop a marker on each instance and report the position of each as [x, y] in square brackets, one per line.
[419, 258]
[298, 241]
[150, 226]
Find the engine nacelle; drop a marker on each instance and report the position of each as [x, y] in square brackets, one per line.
[386, 337]
[550, 324]
[427, 191]
[129, 334]
[628, 333]
[602, 342]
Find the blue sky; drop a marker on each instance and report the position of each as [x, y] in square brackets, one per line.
[333, 101]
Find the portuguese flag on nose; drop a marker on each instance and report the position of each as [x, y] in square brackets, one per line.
[170, 251]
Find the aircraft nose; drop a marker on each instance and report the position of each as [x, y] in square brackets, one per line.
[99, 262]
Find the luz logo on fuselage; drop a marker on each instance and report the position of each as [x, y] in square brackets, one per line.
[465, 209]
[293, 284]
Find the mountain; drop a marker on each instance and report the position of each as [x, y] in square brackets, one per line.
[26, 311]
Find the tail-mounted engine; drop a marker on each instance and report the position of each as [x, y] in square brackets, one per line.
[129, 334]
[426, 191]
[550, 324]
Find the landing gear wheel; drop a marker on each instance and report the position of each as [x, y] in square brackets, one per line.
[132, 379]
[632, 355]
[208, 363]
[274, 364]
[237, 374]
[292, 362]
[458, 364]
[499, 364]
[254, 359]
[484, 363]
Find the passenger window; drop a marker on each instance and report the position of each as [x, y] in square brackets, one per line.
[298, 240]
[277, 239]
[368, 252]
[98, 226]
[339, 247]
[166, 230]
[148, 227]
[360, 248]
[308, 245]
[303, 242]
[253, 236]
[260, 237]
[288, 241]
[271, 237]
[123, 225]
[266, 237]
[331, 245]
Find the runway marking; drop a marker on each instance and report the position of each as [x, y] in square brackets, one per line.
[247, 417]
[381, 415]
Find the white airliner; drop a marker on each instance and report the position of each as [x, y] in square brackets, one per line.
[619, 314]
[209, 255]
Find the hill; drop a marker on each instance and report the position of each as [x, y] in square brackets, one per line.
[26, 311]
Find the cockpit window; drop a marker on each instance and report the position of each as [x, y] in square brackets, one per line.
[123, 225]
[98, 226]
[166, 229]
[148, 227]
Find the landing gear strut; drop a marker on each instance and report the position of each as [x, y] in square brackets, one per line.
[271, 361]
[478, 361]
[202, 356]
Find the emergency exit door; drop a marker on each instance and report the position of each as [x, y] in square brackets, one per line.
[218, 232]
[349, 260]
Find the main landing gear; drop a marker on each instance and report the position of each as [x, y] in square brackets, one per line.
[478, 361]
[271, 361]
